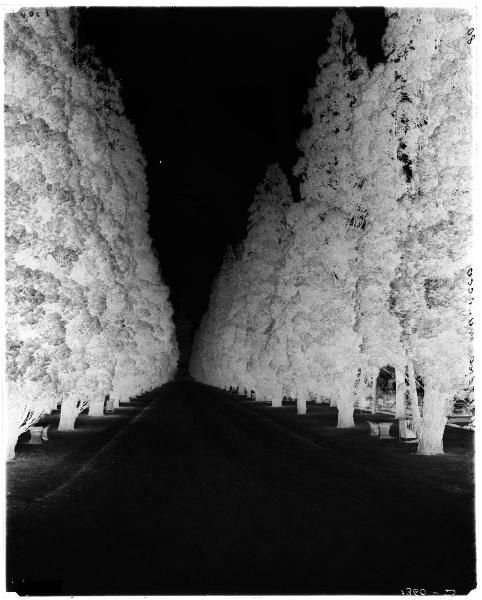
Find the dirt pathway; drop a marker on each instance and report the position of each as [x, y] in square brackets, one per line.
[200, 495]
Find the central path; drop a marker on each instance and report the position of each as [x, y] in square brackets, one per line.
[200, 495]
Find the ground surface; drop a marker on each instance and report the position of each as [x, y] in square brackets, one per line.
[202, 492]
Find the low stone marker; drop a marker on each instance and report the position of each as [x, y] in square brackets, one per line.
[253, 395]
[406, 433]
[374, 431]
[245, 392]
[109, 406]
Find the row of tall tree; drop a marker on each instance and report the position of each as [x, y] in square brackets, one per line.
[87, 312]
[369, 269]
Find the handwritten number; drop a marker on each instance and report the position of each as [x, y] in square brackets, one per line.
[422, 592]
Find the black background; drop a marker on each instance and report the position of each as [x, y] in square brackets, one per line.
[216, 95]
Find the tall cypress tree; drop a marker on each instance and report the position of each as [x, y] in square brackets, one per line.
[76, 230]
[429, 50]
[327, 230]
[265, 252]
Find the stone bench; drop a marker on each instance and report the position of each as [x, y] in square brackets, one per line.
[288, 400]
[385, 430]
[380, 429]
[38, 435]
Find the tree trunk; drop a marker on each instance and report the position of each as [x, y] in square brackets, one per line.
[96, 409]
[400, 393]
[376, 371]
[432, 423]
[412, 388]
[301, 405]
[360, 390]
[68, 415]
[11, 443]
[345, 412]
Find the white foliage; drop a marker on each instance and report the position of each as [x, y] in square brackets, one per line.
[368, 270]
[80, 323]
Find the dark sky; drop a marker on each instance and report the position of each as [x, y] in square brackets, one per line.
[216, 95]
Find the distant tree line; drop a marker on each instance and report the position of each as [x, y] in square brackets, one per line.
[87, 312]
[369, 269]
